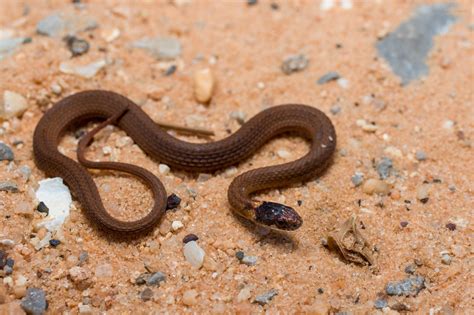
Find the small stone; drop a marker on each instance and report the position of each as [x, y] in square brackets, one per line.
[104, 271]
[7, 242]
[448, 124]
[9, 45]
[13, 105]
[404, 224]
[156, 278]
[446, 258]
[6, 154]
[164, 169]
[384, 167]
[422, 193]
[420, 155]
[266, 297]
[343, 82]
[56, 89]
[375, 186]
[42, 208]
[239, 116]
[203, 85]
[8, 186]
[23, 208]
[160, 47]
[249, 260]
[330, 76]
[146, 294]
[85, 309]
[194, 254]
[80, 276]
[176, 225]
[190, 297]
[335, 109]
[251, 2]
[76, 45]
[62, 24]
[283, 154]
[83, 257]
[172, 202]
[240, 255]
[380, 304]
[3, 259]
[451, 226]
[357, 179]
[408, 287]
[367, 127]
[8, 270]
[87, 71]
[25, 171]
[294, 64]
[170, 70]
[34, 302]
[243, 295]
[54, 242]
[190, 237]
[3, 294]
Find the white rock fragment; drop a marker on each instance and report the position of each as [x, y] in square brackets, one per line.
[176, 225]
[13, 105]
[343, 82]
[109, 35]
[7, 242]
[326, 5]
[346, 4]
[57, 197]
[283, 154]
[163, 169]
[86, 71]
[448, 124]
[194, 254]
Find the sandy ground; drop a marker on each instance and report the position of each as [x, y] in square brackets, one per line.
[244, 46]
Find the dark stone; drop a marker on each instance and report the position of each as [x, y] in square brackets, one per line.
[6, 152]
[42, 208]
[380, 303]
[189, 238]
[404, 224]
[54, 242]
[294, 64]
[240, 255]
[384, 167]
[34, 302]
[76, 45]
[252, 2]
[3, 259]
[172, 202]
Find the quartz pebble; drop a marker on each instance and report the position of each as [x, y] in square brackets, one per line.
[189, 238]
[164, 169]
[249, 260]
[34, 302]
[176, 225]
[160, 47]
[13, 105]
[87, 71]
[156, 278]
[194, 254]
[294, 64]
[283, 154]
[367, 127]
[407, 287]
[65, 23]
[357, 178]
[9, 45]
[57, 198]
[190, 297]
[420, 155]
[8, 186]
[244, 294]
[266, 297]
[330, 76]
[6, 153]
[335, 109]
[203, 85]
[375, 186]
[172, 202]
[343, 82]
[239, 116]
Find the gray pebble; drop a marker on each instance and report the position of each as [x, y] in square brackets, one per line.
[446, 259]
[294, 64]
[330, 76]
[410, 286]
[8, 186]
[335, 109]
[249, 260]
[6, 152]
[34, 302]
[160, 47]
[25, 171]
[410, 269]
[266, 297]
[380, 303]
[146, 294]
[384, 167]
[240, 255]
[357, 178]
[9, 45]
[83, 257]
[76, 45]
[62, 24]
[420, 155]
[8, 270]
[156, 278]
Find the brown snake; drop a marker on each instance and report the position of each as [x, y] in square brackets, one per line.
[112, 108]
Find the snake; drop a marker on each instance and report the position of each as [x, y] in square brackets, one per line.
[110, 108]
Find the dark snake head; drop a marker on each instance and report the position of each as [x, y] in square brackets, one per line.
[276, 215]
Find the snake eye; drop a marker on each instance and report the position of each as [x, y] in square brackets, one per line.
[277, 215]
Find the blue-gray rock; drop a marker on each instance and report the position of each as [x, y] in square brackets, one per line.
[249, 260]
[357, 178]
[156, 278]
[9, 45]
[384, 167]
[335, 109]
[266, 297]
[407, 47]
[160, 47]
[5, 152]
[8, 186]
[380, 303]
[407, 287]
[65, 23]
[34, 302]
[420, 155]
[330, 76]
[294, 64]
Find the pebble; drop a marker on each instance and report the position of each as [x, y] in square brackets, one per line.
[57, 198]
[283, 154]
[109, 35]
[203, 85]
[190, 237]
[357, 178]
[380, 304]
[164, 169]
[62, 24]
[376, 186]
[156, 278]
[83, 257]
[330, 76]
[8, 186]
[266, 297]
[420, 155]
[239, 116]
[249, 260]
[422, 193]
[25, 171]
[240, 255]
[367, 127]
[335, 109]
[10, 45]
[76, 45]
[343, 82]
[190, 297]
[34, 302]
[194, 254]
[13, 105]
[104, 271]
[407, 287]
[404, 224]
[23, 208]
[54, 242]
[384, 167]
[6, 153]
[410, 269]
[252, 2]
[85, 71]
[446, 258]
[80, 276]
[160, 47]
[146, 294]
[243, 295]
[172, 202]
[85, 309]
[3, 259]
[294, 64]
[177, 225]
[451, 226]
[7, 242]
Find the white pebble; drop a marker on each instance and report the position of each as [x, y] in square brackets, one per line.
[344, 83]
[283, 154]
[203, 85]
[57, 197]
[110, 35]
[176, 225]
[231, 171]
[448, 124]
[13, 105]
[164, 169]
[87, 71]
[56, 89]
[194, 254]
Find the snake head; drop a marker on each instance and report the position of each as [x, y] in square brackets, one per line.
[276, 215]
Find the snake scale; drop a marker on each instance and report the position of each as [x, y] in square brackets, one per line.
[112, 108]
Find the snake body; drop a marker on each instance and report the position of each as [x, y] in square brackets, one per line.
[112, 108]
